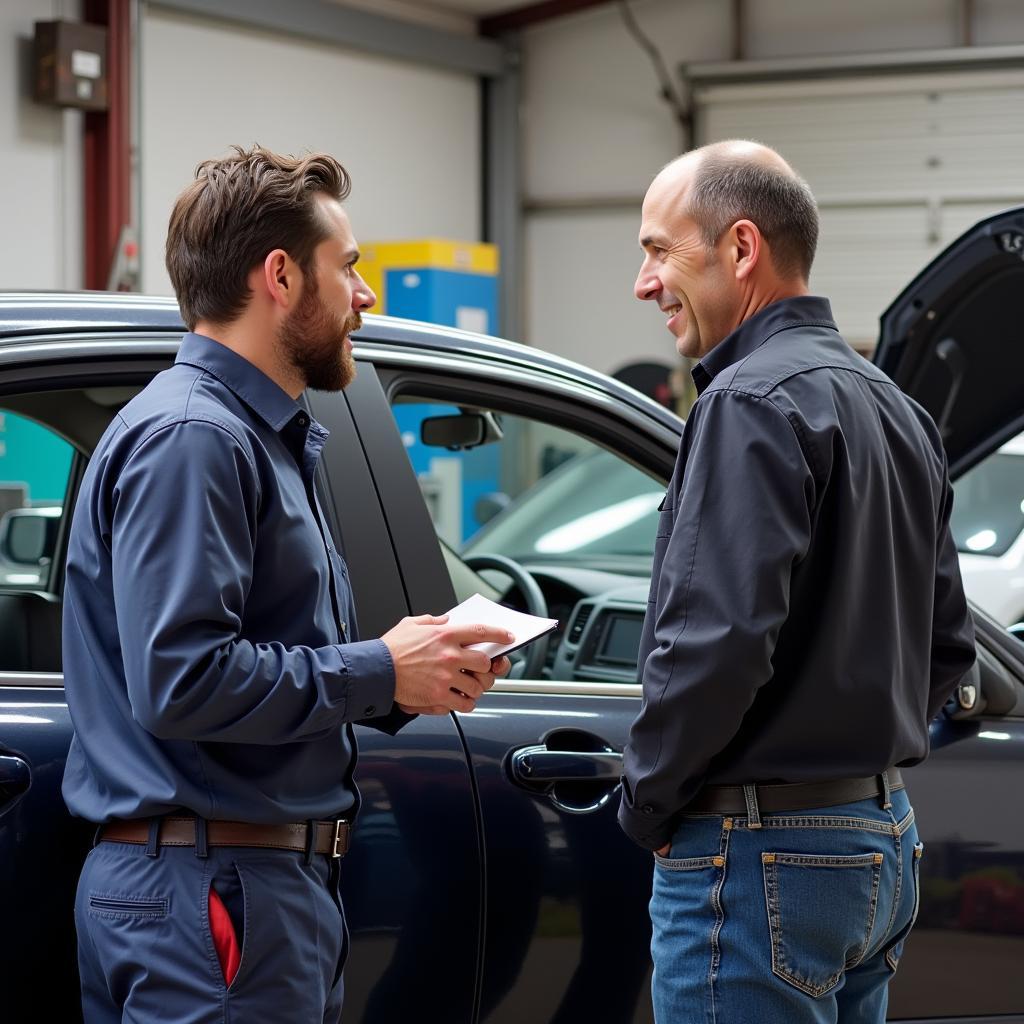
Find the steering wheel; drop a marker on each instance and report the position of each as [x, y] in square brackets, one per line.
[532, 657]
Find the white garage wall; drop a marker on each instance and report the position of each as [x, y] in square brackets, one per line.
[40, 162]
[409, 136]
[595, 127]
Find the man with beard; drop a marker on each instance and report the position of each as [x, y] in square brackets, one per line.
[212, 666]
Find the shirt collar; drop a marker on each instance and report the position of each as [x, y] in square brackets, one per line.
[268, 400]
[754, 332]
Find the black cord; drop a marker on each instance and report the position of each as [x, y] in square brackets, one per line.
[669, 93]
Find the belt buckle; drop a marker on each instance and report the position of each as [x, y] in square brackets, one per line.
[335, 854]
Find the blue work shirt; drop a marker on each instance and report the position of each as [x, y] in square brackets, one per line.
[210, 658]
[807, 618]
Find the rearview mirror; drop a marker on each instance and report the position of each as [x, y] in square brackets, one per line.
[462, 432]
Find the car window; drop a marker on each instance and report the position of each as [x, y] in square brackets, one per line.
[539, 494]
[34, 467]
[581, 519]
[988, 527]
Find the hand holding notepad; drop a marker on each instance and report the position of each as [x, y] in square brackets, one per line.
[478, 609]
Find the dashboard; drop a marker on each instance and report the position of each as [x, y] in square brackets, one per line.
[600, 619]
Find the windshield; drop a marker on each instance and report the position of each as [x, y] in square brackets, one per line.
[988, 507]
[593, 504]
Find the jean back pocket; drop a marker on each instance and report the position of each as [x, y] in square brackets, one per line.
[821, 911]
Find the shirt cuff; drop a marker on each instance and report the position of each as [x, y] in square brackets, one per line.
[369, 679]
[646, 828]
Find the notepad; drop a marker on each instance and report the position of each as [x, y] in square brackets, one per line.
[525, 628]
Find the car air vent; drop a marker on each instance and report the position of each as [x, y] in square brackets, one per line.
[580, 623]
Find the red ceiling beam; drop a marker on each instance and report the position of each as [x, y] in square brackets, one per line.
[533, 14]
[107, 146]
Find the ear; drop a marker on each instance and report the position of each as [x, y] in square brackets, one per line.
[281, 278]
[747, 246]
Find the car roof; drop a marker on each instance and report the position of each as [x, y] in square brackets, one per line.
[39, 314]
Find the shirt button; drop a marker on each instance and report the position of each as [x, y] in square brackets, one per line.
[647, 809]
[302, 421]
[370, 711]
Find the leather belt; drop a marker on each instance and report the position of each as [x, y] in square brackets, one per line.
[332, 837]
[791, 796]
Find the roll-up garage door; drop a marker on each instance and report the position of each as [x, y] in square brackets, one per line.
[900, 165]
[409, 135]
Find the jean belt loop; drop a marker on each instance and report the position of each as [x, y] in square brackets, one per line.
[153, 844]
[753, 811]
[884, 791]
[310, 840]
[202, 847]
[96, 835]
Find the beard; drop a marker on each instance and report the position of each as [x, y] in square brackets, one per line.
[312, 342]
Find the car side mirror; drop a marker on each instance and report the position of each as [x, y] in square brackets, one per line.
[462, 432]
[24, 540]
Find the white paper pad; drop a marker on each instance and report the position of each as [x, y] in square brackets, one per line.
[525, 628]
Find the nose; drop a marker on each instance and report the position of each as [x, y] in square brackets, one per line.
[362, 296]
[647, 286]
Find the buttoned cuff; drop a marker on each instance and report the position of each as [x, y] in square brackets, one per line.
[644, 825]
[370, 679]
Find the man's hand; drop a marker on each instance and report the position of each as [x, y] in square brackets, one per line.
[665, 850]
[435, 672]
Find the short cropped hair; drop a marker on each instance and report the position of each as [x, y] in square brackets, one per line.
[782, 206]
[240, 208]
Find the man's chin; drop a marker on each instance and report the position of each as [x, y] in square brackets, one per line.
[688, 347]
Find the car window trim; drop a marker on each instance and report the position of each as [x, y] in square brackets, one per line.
[570, 408]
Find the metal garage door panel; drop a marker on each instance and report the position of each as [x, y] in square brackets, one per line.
[865, 256]
[900, 165]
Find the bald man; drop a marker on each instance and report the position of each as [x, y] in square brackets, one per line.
[806, 622]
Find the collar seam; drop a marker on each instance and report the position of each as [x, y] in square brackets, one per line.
[207, 368]
[785, 326]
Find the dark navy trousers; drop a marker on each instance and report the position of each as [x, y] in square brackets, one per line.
[146, 953]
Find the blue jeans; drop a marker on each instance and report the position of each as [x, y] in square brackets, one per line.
[146, 952]
[800, 921]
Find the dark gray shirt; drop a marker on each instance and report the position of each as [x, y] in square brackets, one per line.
[806, 618]
[210, 657]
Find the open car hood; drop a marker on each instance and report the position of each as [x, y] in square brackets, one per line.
[954, 339]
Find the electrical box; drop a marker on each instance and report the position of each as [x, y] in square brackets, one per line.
[436, 280]
[70, 65]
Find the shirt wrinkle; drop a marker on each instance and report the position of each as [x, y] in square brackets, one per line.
[860, 629]
[212, 646]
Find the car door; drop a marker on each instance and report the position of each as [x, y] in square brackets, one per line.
[566, 892]
[952, 341]
[47, 424]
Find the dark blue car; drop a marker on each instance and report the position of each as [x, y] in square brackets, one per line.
[488, 879]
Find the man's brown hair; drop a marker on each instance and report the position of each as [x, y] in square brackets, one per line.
[240, 208]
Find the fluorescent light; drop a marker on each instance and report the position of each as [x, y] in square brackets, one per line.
[994, 735]
[578, 533]
[982, 540]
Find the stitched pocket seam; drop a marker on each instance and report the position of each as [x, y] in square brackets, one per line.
[771, 862]
[104, 904]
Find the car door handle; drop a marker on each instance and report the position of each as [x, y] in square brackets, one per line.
[541, 767]
[15, 778]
